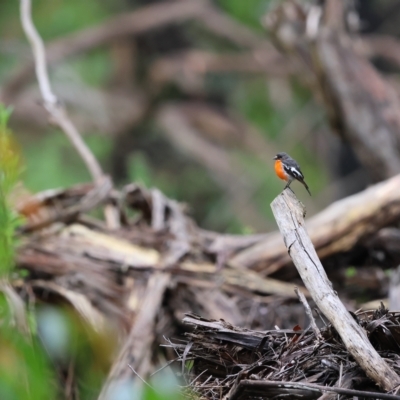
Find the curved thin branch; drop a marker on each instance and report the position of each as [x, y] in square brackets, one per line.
[54, 108]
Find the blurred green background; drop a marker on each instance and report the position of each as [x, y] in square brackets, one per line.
[264, 114]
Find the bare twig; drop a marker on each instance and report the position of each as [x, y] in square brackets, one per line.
[56, 111]
[289, 387]
[17, 306]
[340, 377]
[289, 214]
[306, 306]
[394, 290]
[146, 383]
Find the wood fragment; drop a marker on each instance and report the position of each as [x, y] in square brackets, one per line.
[136, 351]
[16, 305]
[303, 300]
[394, 290]
[79, 301]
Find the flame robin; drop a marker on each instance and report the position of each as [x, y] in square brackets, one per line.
[288, 170]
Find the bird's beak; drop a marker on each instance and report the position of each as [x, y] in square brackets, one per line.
[275, 158]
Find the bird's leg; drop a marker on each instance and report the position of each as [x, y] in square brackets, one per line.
[288, 185]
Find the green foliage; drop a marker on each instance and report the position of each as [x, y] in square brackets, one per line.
[93, 69]
[23, 367]
[24, 370]
[351, 272]
[248, 12]
[9, 169]
[66, 16]
[67, 339]
[139, 169]
[159, 393]
[52, 162]
[253, 101]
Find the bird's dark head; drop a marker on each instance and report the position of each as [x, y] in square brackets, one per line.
[280, 156]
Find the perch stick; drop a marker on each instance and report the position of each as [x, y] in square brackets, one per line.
[289, 214]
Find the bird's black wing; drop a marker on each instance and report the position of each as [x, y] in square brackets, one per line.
[293, 169]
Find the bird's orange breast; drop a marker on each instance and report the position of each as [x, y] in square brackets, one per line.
[280, 172]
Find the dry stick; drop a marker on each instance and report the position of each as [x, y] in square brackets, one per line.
[53, 106]
[50, 100]
[262, 387]
[136, 352]
[146, 383]
[289, 214]
[306, 306]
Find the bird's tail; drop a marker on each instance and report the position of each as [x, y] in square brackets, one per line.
[305, 185]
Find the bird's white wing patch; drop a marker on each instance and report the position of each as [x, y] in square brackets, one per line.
[294, 172]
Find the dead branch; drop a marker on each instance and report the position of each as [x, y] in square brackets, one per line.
[336, 229]
[98, 195]
[79, 301]
[136, 351]
[110, 112]
[269, 389]
[306, 306]
[394, 290]
[54, 108]
[17, 306]
[188, 68]
[365, 109]
[77, 242]
[289, 214]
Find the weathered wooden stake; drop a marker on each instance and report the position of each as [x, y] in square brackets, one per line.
[289, 214]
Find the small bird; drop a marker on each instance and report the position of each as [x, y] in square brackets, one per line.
[288, 170]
